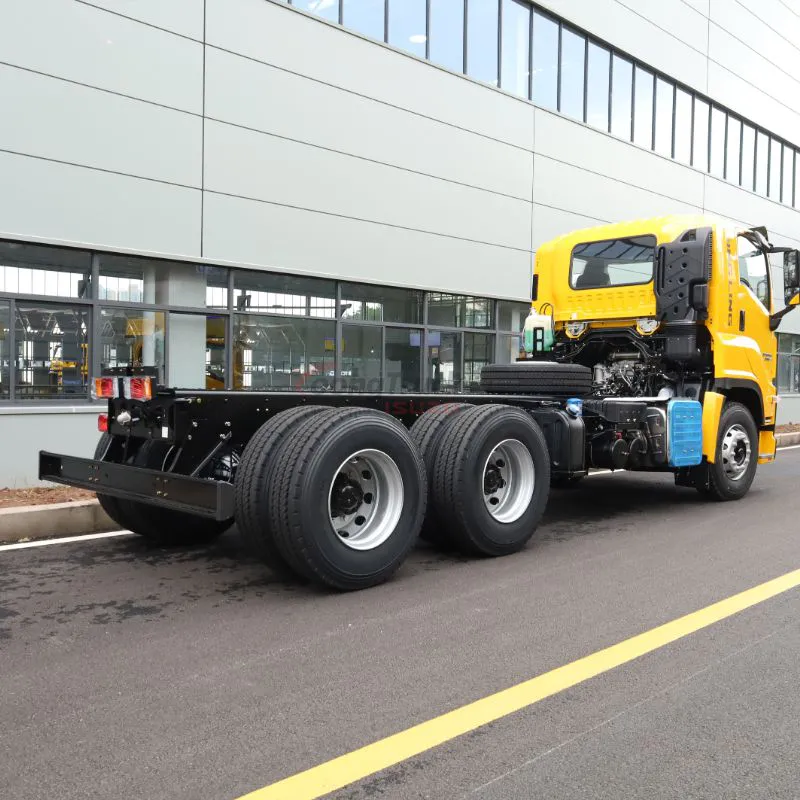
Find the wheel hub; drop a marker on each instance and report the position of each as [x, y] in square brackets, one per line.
[509, 479]
[347, 496]
[736, 452]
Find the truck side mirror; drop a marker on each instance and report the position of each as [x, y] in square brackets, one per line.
[791, 275]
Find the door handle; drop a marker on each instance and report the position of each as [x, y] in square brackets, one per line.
[741, 321]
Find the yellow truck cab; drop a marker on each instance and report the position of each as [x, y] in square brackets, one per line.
[673, 308]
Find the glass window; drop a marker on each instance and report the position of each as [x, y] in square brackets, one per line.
[380, 304]
[789, 363]
[132, 337]
[52, 356]
[683, 126]
[775, 169]
[788, 175]
[545, 61]
[762, 163]
[446, 33]
[482, 19]
[748, 156]
[753, 270]
[511, 316]
[508, 349]
[478, 352]
[196, 347]
[614, 262]
[408, 26]
[361, 358]
[700, 138]
[621, 83]
[796, 179]
[664, 98]
[51, 271]
[403, 359]
[327, 9]
[444, 361]
[515, 47]
[643, 108]
[365, 16]
[283, 353]
[573, 59]
[5, 350]
[717, 167]
[216, 286]
[284, 294]
[597, 89]
[458, 311]
[732, 172]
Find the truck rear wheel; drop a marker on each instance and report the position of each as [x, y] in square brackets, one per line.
[537, 377]
[347, 497]
[113, 506]
[254, 476]
[491, 479]
[732, 474]
[427, 434]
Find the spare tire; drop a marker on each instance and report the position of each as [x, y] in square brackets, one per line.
[537, 377]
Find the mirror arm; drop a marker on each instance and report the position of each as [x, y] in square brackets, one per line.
[775, 319]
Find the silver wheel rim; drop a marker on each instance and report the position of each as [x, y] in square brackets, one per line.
[365, 499]
[736, 452]
[509, 478]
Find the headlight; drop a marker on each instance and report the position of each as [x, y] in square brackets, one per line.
[647, 325]
[575, 329]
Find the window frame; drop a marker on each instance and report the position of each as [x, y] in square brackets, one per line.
[575, 288]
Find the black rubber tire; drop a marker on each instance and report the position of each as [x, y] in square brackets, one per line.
[253, 478]
[298, 497]
[537, 377]
[113, 506]
[457, 481]
[426, 433]
[710, 479]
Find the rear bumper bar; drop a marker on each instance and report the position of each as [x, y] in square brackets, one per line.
[206, 498]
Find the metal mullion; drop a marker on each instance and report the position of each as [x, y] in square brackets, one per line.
[741, 151]
[386, 21]
[424, 377]
[530, 54]
[465, 39]
[46, 298]
[610, 89]
[230, 326]
[633, 101]
[341, 12]
[383, 360]
[769, 165]
[338, 339]
[558, 70]
[691, 134]
[585, 78]
[95, 346]
[499, 43]
[462, 348]
[653, 115]
[674, 118]
[725, 150]
[167, 349]
[12, 351]
[428, 29]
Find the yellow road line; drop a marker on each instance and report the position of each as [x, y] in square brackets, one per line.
[339, 772]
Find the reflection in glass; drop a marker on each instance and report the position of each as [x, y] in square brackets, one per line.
[545, 61]
[403, 362]
[732, 171]
[789, 363]
[52, 344]
[515, 52]
[788, 175]
[284, 294]
[459, 311]
[700, 146]
[361, 358]
[663, 133]
[643, 108]
[717, 167]
[444, 361]
[683, 126]
[796, 179]
[748, 156]
[5, 350]
[775, 169]
[283, 353]
[621, 88]
[36, 269]
[511, 316]
[478, 352]
[762, 163]
[327, 9]
[508, 348]
[447, 33]
[196, 346]
[132, 337]
[597, 86]
[407, 26]
[573, 59]
[365, 16]
[380, 304]
[482, 19]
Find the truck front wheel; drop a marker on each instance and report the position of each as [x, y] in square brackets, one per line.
[732, 473]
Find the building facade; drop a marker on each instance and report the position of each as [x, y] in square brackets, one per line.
[349, 193]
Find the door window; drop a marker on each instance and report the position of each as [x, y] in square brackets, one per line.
[753, 270]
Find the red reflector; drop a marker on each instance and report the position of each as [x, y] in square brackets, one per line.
[104, 387]
[138, 388]
[102, 423]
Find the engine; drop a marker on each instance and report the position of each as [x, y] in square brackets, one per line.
[630, 374]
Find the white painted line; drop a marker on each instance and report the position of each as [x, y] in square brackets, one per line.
[65, 540]
[790, 447]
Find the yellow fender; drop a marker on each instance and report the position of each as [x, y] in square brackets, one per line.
[712, 410]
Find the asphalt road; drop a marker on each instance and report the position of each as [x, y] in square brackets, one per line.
[135, 673]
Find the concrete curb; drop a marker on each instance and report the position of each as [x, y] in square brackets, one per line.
[787, 439]
[55, 520]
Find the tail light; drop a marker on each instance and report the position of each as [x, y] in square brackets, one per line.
[102, 423]
[104, 388]
[137, 388]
